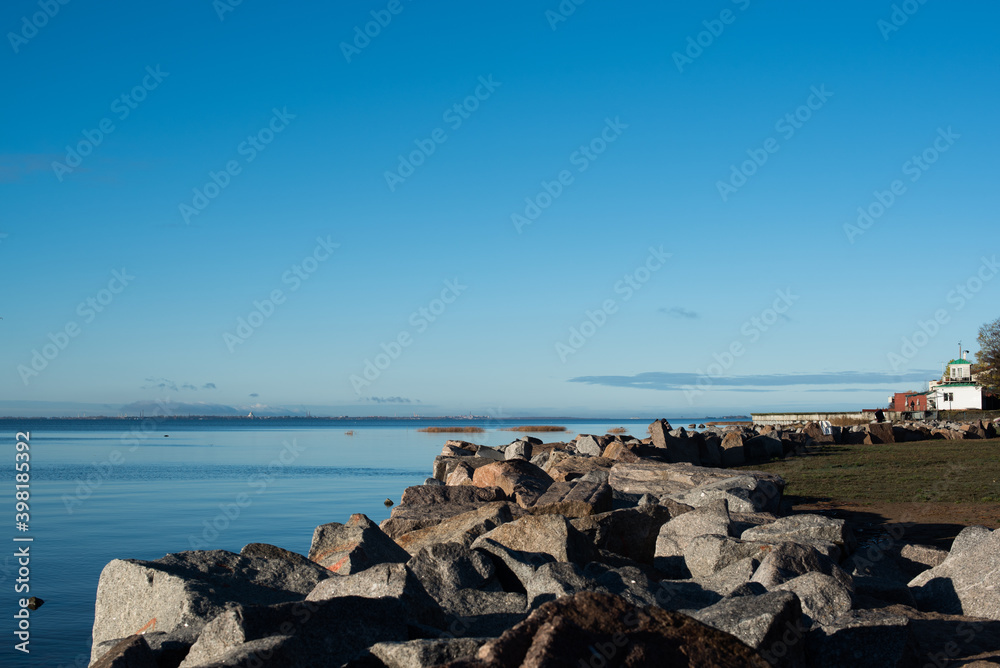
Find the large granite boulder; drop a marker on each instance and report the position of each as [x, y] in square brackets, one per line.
[520, 480]
[578, 630]
[786, 561]
[304, 634]
[354, 546]
[823, 597]
[425, 506]
[425, 653]
[445, 568]
[588, 445]
[708, 554]
[463, 528]
[444, 466]
[677, 480]
[628, 532]
[385, 580]
[179, 593]
[565, 467]
[676, 534]
[763, 448]
[967, 582]
[574, 499]
[796, 528]
[879, 432]
[732, 450]
[744, 494]
[770, 623]
[546, 534]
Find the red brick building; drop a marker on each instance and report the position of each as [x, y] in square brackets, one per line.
[909, 401]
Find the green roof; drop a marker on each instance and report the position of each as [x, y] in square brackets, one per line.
[960, 362]
[947, 385]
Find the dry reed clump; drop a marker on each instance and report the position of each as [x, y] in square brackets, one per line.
[530, 427]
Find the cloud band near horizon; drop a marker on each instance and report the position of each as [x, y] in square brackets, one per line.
[671, 380]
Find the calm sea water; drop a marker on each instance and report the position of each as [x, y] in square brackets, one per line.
[105, 489]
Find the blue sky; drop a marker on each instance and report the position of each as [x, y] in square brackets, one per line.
[685, 179]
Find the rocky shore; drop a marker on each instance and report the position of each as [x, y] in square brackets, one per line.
[602, 551]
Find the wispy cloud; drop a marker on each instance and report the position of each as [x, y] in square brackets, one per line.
[15, 166]
[389, 400]
[160, 384]
[667, 380]
[167, 384]
[254, 394]
[678, 312]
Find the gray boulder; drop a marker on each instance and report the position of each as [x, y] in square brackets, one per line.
[709, 450]
[385, 580]
[710, 553]
[487, 452]
[732, 450]
[763, 448]
[745, 494]
[823, 597]
[274, 552]
[967, 582]
[444, 568]
[484, 613]
[444, 466]
[179, 593]
[555, 579]
[299, 633]
[355, 546]
[463, 528]
[425, 653]
[805, 527]
[588, 445]
[675, 535]
[659, 431]
[914, 559]
[786, 561]
[427, 506]
[631, 583]
[514, 568]
[574, 499]
[770, 623]
[545, 534]
[518, 450]
[629, 532]
[731, 579]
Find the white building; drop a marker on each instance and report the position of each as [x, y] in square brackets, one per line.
[958, 391]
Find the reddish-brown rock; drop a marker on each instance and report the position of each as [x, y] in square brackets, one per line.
[574, 630]
[522, 481]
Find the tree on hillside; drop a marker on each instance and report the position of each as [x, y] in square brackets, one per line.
[988, 357]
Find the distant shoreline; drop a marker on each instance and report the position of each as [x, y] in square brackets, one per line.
[347, 418]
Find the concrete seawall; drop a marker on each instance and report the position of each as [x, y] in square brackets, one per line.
[790, 418]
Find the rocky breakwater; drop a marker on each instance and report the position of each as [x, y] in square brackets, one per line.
[603, 551]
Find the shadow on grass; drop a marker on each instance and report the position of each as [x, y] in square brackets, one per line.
[869, 525]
